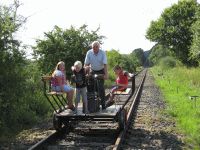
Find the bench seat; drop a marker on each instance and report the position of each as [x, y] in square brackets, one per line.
[55, 93]
[126, 92]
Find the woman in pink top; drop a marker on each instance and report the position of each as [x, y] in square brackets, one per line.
[59, 83]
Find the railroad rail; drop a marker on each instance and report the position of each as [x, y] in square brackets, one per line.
[94, 132]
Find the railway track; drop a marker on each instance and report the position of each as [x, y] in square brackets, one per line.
[151, 127]
[98, 134]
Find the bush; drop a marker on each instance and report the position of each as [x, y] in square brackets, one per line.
[111, 80]
[168, 62]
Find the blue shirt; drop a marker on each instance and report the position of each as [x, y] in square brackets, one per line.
[97, 61]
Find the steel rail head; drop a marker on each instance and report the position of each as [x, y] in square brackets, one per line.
[121, 136]
[40, 145]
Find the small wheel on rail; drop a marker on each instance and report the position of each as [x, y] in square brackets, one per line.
[57, 123]
[122, 119]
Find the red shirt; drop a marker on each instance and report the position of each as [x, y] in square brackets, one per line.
[122, 79]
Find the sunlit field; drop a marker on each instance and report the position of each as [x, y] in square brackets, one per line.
[181, 90]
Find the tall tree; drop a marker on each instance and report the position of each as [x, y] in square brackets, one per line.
[128, 63]
[138, 56]
[173, 28]
[158, 52]
[114, 58]
[12, 81]
[195, 47]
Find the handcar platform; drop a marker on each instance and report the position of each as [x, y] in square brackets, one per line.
[109, 111]
[108, 114]
[62, 115]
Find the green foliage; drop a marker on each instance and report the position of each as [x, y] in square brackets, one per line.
[128, 63]
[173, 28]
[114, 58]
[177, 85]
[158, 52]
[167, 62]
[68, 45]
[11, 65]
[34, 90]
[195, 47]
[21, 100]
[137, 56]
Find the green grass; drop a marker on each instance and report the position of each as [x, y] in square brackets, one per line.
[177, 85]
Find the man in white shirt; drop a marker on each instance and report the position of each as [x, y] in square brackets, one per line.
[97, 60]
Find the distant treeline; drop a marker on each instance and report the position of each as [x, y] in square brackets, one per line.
[176, 34]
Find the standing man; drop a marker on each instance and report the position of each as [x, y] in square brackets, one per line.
[97, 60]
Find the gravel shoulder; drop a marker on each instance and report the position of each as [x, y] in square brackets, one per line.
[153, 128]
[28, 137]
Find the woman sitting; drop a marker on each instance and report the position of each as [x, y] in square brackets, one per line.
[59, 83]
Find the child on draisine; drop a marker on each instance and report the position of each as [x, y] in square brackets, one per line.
[80, 80]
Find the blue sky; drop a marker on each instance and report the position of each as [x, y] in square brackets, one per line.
[123, 22]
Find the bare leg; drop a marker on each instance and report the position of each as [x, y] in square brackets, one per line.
[77, 99]
[70, 97]
[111, 99]
[84, 99]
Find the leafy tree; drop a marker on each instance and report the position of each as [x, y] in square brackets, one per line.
[34, 99]
[172, 29]
[157, 52]
[138, 56]
[124, 60]
[12, 80]
[20, 93]
[195, 47]
[167, 62]
[67, 45]
[128, 63]
[114, 58]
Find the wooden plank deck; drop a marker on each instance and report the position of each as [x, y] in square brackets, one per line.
[109, 111]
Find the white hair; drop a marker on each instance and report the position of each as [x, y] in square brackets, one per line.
[95, 43]
[78, 64]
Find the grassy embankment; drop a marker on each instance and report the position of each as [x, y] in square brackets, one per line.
[178, 85]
